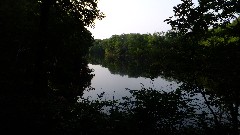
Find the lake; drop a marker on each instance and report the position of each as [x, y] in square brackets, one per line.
[116, 85]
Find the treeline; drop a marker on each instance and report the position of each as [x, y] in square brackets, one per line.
[171, 45]
[134, 45]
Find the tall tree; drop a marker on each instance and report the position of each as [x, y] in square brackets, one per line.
[190, 17]
[70, 17]
[201, 21]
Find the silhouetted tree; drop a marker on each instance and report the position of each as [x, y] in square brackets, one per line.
[42, 48]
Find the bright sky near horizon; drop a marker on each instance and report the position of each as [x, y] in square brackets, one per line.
[133, 16]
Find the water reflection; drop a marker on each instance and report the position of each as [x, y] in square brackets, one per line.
[116, 85]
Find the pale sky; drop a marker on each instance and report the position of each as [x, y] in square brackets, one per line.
[133, 16]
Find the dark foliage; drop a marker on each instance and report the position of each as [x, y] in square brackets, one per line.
[43, 44]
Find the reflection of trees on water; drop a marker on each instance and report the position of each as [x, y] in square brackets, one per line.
[209, 87]
[132, 68]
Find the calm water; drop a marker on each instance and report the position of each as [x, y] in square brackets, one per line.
[204, 104]
[116, 85]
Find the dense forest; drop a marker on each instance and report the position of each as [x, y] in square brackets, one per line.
[160, 44]
[45, 48]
